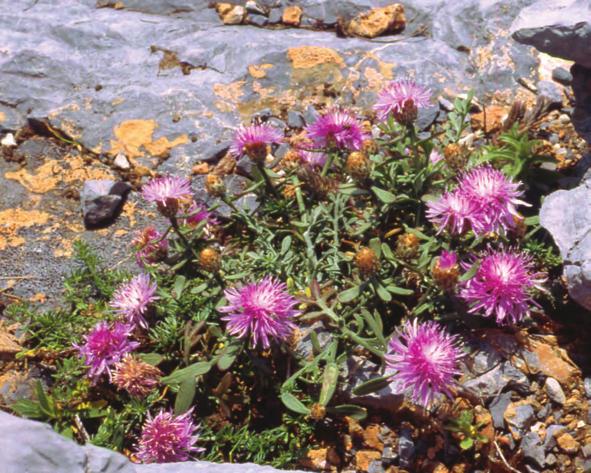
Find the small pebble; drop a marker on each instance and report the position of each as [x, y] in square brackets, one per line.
[554, 391]
[8, 140]
[121, 162]
[562, 76]
[564, 119]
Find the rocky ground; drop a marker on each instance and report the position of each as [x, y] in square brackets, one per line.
[124, 90]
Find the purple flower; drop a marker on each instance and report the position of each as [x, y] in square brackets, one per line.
[197, 213]
[457, 212]
[167, 192]
[497, 196]
[254, 140]
[501, 286]
[447, 260]
[422, 359]
[313, 159]
[263, 311]
[131, 299]
[435, 156]
[104, 346]
[402, 99]
[150, 246]
[337, 128]
[168, 438]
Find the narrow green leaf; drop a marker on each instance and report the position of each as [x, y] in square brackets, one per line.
[285, 244]
[382, 292]
[44, 402]
[371, 386]
[151, 358]
[351, 410]
[27, 408]
[471, 272]
[349, 294]
[185, 396]
[179, 285]
[329, 383]
[385, 196]
[294, 404]
[400, 291]
[190, 372]
[467, 443]
[376, 246]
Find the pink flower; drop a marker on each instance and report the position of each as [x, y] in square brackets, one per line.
[150, 246]
[197, 213]
[337, 128]
[435, 156]
[402, 99]
[447, 260]
[457, 212]
[501, 286]
[263, 311]
[254, 140]
[497, 196]
[131, 299]
[167, 438]
[313, 159]
[167, 192]
[423, 360]
[104, 346]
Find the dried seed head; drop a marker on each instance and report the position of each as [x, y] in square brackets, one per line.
[520, 228]
[135, 376]
[446, 271]
[318, 412]
[456, 156]
[369, 146]
[367, 261]
[214, 185]
[357, 165]
[407, 245]
[210, 260]
[289, 192]
[291, 160]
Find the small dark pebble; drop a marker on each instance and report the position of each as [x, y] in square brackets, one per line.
[562, 76]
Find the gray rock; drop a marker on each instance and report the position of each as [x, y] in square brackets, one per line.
[406, 448]
[551, 432]
[497, 409]
[561, 28]
[551, 460]
[257, 20]
[494, 381]
[587, 385]
[554, 391]
[562, 76]
[295, 119]
[427, 117]
[532, 448]
[204, 467]
[522, 420]
[551, 92]
[304, 347]
[275, 16]
[121, 162]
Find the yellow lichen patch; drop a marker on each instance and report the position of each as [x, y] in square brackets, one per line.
[135, 138]
[375, 80]
[230, 95]
[117, 101]
[258, 71]
[65, 249]
[2, 116]
[306, 57]
[13, 220]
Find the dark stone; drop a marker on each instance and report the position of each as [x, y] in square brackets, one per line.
[532, 448]
[217, 152]
[389, 456]
[275, 16]
[245, 166]
[562, 76]
[102, 201]
[295, 119]
[406, 448]
[310, 115]
[522, 419]
[446, 104]
[257, 20]
[427, 117]
[497, 408]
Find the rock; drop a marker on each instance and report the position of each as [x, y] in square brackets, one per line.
[551, 92]
[121, 162]
[253, 7]
[550, 438]
[292, 15]
[587, 385]
[519, 417]
[494, 381]
[102, 201]
[497, 409]
[562, 76]
[567, 443]
[406, 448]
[561, 28]
[551, 460]
[533, 451]
[554, 391]
[378, 22]
[303, 348]
[365, 458]
[275, 16]
[586, 450]
[231, 14]
[257, 20]
[426, 117]
[8, 140]
[295, 119]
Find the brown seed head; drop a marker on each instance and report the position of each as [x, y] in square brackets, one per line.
[210, 260]
[357, 165]
[369, 146]
[135, 376]
[318, 412]
[407, 245]
[456, 156]
[367, 261]
[445, 278]
[214, 185]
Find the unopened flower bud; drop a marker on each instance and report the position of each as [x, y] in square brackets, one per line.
[520, 228]
[407, 245]
[367, 261]
[369, 146]
[456, 156]
[318, 412]
[358, 166]
[210, 260]
[446, 271]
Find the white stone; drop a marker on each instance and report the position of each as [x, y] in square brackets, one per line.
[8, 140]
[554, 391]
[121, 162]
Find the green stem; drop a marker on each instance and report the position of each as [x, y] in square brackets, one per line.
[327, 164]
[267, 179]
[175, 226]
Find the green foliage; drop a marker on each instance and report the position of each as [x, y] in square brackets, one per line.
[468, 430]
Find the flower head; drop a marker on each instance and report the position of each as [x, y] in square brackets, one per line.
[496, 194]
[197, 213]
[402, 99]
[435, 156]
[446, 270]
[104, 346]
[262, 310]
[131, 299]
[337, 128]
[168, 438]
[254, 140]
[457, 212]
[422, 359]
[150, 246]
[135, 376]
[501, 286]
[167, 192]
[314, 159]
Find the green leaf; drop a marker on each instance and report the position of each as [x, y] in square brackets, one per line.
[28, 408]
[533, 220]
[329, 383]
[229, 355]
[185, 396]
[153, 358]
[385, 196]
[467, 443]
[349, 294]
[179, 285]
[371, 386]
[376, 246]
[470, 273]
[382, 292]
[190, 372]
[294, 404]
[285, 244]
[400, 291]
[351, 410]
[44, 401]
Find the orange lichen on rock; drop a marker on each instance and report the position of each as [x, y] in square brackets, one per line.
[229, 94]
[135, 137]
[292, 15]
[306, 57]
[13, 220]
[490, 119]
[378, 21]
[258, 71]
